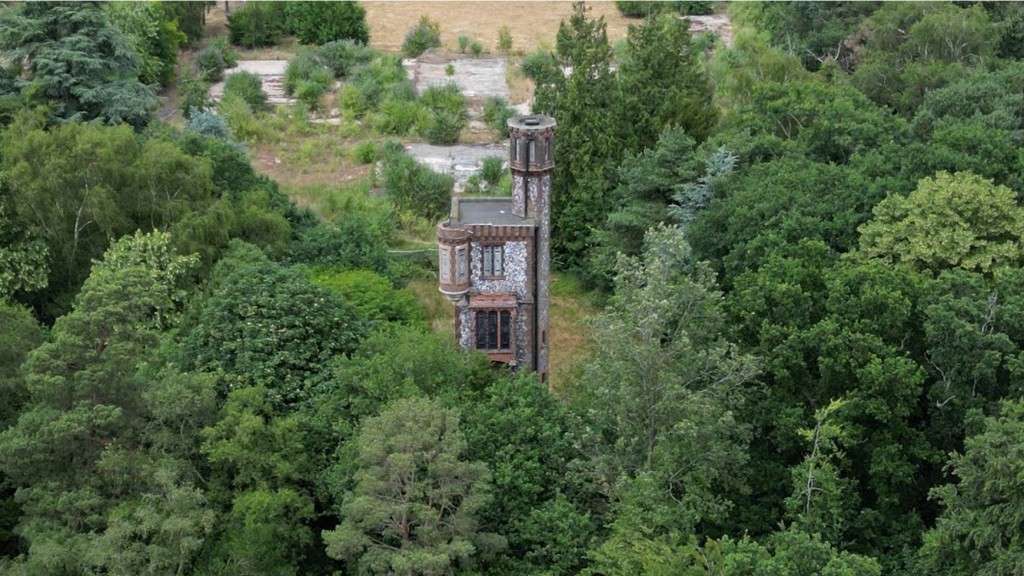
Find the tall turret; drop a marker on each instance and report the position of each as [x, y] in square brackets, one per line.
[532, 161]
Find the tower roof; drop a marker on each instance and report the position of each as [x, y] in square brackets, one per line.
[496, 211]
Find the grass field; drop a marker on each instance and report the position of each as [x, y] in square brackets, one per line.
[532, 24]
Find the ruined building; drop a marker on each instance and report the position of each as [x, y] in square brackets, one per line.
[494, 256]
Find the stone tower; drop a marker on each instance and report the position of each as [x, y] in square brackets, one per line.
[495, 256]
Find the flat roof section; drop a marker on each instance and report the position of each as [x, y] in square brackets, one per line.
[496, 211]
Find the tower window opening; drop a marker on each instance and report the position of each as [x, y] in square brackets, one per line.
[494, 330]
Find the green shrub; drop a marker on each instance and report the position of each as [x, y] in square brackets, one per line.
[372, 295]
[414, 187]
[504, 39]
[497, 113]
[492, 170]
[464, 42]
[323, 22]
[248, 87]
[241, 119]
[449, 70]
[364, 152]
[375, 82]
[209, 124]
[400, 117]
[423, 36]
[643, 8]
[309, 93]
[447, 114]
[307, 78]
[343, 56]
[476, 48]
[257, 24]
[539, 65]
[354, 241]
[214, 59]
[193, 94]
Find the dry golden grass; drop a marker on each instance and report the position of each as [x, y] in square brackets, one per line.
[533, 24]
[571, 307]
[440, 312]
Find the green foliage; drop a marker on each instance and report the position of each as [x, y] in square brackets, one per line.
[641, 8]
[399, 117]
[23, 259]
[416, 498]
[194, 94]
[343, 56]
[266, 325]
[446, 114]
[426, 34]
[364, 152]
[153, 33]
[257, 24]
[497, 114]
[91, 446]
[909, 49]
[952, 220]
[307, 78]
[354, 241]
[661, 394]
[20, 334]
[248, 87]
[189, 16]
[76, 61]
[659, 90]
[414, 187]
[372, 296]
[210, 125]
[464, 41]
[265, 534]
[977, 531]
[504, 39]
[77, 186]
[212, 60]
[587, 146]
[492, 169]
[323, 22]
[815, 32]
[476, 48]
[382, 79]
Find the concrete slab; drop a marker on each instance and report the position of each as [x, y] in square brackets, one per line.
[477, 78]
[460, 161]
[271, 73]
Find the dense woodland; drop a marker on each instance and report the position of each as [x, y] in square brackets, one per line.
[809, 247]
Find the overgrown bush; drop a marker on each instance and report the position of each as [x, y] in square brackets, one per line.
[343, 56]
[307, 78]
[414, 187]
[257, 24]
[400, 117]
[248, 87]
[214, 59]
[372, 295]
[241, 119]
[538, 65]
[354, 241]
[375, 82]
[364, 152]
[323, 22]
[423, 36]
[193, 94]
[464, 42]
[446, 108]
[642, 8]
[209, 124]
[492, 170]
[153, 34]
[497, 113]
[476, 48]
[504, 39]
